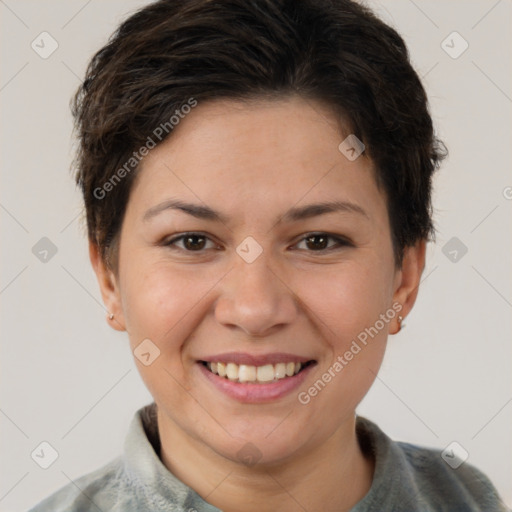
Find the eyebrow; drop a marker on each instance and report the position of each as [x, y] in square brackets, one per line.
[293, 215]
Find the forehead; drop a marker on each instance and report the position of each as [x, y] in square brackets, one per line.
[235, 155]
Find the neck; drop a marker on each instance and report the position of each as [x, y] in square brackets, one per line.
[333, 476]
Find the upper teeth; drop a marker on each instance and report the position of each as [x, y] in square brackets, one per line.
[247, 373]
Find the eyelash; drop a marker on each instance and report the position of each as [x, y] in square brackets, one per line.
[340, 242]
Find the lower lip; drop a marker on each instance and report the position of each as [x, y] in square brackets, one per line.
[256, 393]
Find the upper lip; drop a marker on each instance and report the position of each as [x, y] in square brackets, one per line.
[255, 360]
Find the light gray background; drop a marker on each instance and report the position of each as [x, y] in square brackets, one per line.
[68, 379]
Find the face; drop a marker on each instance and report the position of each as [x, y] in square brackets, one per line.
[251, 242]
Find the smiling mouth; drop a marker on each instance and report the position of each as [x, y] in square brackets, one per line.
[256, 374]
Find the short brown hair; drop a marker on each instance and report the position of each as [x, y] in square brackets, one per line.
[335, 51]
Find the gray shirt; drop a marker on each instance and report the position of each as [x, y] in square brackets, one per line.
[407, 478]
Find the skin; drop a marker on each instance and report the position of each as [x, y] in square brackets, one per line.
[252, 162]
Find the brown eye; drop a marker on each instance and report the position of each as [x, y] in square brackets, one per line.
[190, 242]
[317, 242]
[194, 242]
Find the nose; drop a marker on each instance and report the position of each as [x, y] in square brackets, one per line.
[256, 299]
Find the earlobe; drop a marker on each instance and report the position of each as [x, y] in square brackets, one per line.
[408, 281]
[401, 325]
[109, 288]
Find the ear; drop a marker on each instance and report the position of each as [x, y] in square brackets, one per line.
[109, 288]
[407, 280]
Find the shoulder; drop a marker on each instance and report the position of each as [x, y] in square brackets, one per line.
[411, 478]
[463, 486]
[98, 490]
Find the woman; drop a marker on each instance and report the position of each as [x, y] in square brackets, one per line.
[257, 183]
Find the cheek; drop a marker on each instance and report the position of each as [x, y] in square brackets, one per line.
[346, 298]
[162, 301]
[346, 302]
